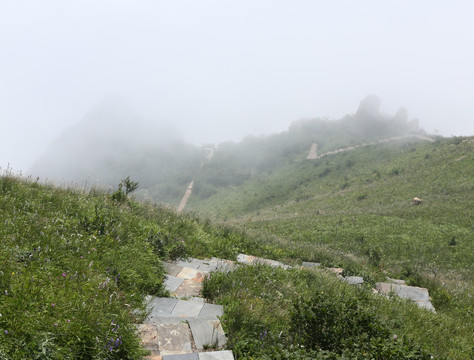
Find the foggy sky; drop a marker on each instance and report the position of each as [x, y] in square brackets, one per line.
[219, 69]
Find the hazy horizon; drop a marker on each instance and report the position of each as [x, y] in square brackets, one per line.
[219, 70]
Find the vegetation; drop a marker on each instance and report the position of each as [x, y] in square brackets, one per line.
[304, 314]
[354, 210]
[75, 267]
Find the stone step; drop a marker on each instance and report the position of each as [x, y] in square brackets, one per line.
[185, 277]
[354, 280]
[174, 339]
[175, 310]
[207, 334]
[207, 265]
[211, 355]
[253, 260]
[416, 294]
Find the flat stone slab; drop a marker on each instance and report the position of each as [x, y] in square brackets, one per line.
[191, 263]
[207, 333]
[149, 338]
[187, 308]
[191, 356]
[174, 339]
[160, 307]
[211, 311]
[308, 264]
[216, 355]
[252, 260]
[272, 263]
[188, 288]
[211, 355]
[172, 283]
[246, 259]
[222, 265]
[172, 269]
[406, 292]
[354, 280]
[426, 305]
[206, 265]
[419, 295]
[188, 273]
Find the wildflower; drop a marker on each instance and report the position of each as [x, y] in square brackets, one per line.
[53, 304]
[55, 324]
[68, 320]
[395, 337]
[64, 274]
[6, 331]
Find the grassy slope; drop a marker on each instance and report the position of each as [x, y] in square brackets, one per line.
[66, 248]
[73, 266]
[353, 209]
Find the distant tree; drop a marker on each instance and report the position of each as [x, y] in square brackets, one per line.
[130, 186]
[125, 187]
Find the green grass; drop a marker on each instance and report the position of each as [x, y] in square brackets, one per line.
[354, 210]
[311, 314]
[75, 268]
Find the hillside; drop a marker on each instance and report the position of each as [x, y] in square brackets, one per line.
[76, 268]
[348, 205]
[354, 209]
[112, 142]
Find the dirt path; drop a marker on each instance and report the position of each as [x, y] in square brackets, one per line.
[186, 196]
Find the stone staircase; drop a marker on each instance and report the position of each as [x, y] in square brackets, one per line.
[185, 327]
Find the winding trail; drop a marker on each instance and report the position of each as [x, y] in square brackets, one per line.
[312, 155]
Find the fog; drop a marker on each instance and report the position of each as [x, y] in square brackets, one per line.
[219, 70]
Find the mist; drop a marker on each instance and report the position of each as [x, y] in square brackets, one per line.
[212, 71]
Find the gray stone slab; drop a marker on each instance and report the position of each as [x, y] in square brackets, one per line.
[172, 269]
[209, 266]
[174, 339]
[188, 288]
[191, 356]
[207, 333]
[246, 259]
[190, 263]
[211, 311]
[426, 305]
[162, 306]
[187, 308]
[224, 265]
[172, 283]
[272, 263]
[354, 280]
[406, 292]
[216, 355]
[413, 293]
[308, 264]
[172, 319]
